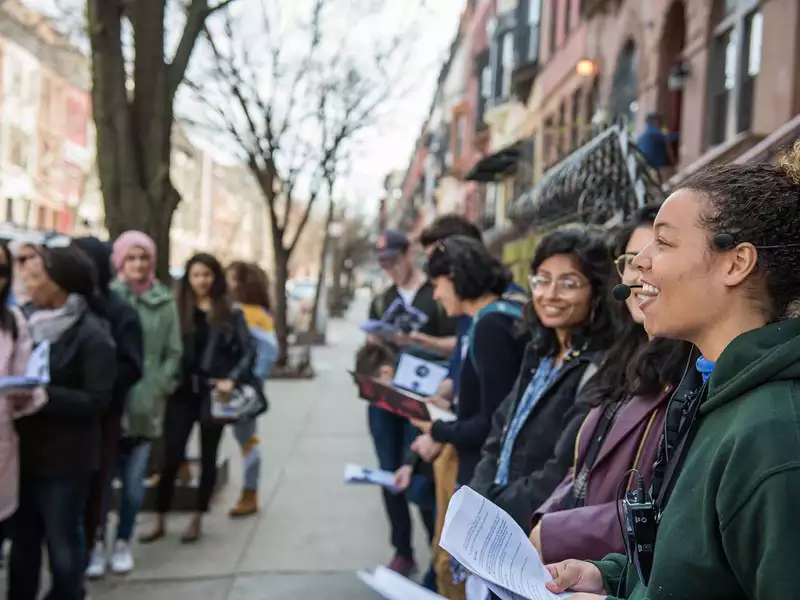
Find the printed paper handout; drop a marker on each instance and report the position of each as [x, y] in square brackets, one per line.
[394, 586]
[418, 375]
[355, 474]
[489, 544]
[398, 319]
[37, 373]
[380, 329]
[401, 402]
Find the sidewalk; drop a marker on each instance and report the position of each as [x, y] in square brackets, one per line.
[313, 532]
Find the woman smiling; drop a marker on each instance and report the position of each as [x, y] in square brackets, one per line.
[722, 273]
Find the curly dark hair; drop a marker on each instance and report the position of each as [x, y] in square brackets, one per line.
[594, 260]
[220, 304]
[632, 366]
[371, 357]
[474, 271]
[759, 204]
[447, 226]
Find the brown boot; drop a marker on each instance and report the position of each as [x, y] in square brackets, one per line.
[159, 531]
[247, 505]
[194, 531]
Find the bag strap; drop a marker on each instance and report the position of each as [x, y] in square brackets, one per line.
[511, 309]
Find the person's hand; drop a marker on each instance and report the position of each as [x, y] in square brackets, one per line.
[402, 339]
[423, 426]
[439, 402]
[576, 576]
[19, 400]
[426, 447]
[536, 538]
[402, 478]
[224, 386]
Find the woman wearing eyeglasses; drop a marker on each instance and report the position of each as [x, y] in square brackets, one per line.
[571, 325]
[622, 432]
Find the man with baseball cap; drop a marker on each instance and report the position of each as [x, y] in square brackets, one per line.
[392, 435]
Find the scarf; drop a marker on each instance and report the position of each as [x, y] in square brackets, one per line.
[50, 324]
[124, 244]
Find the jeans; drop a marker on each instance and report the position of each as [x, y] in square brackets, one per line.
[98, 494]
[245, 433]
[180, 417]
[131, 469]
[392, 436]
[51, 510]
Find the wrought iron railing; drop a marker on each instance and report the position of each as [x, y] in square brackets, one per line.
[603, 181]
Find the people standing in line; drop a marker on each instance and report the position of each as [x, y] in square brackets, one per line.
[60, 445]
[630, 395]
[134, 259]
[249, 288]
[126, 331]
[218, 352]
[15, 351]
[572, 327]
[392, 435]
[722, 274]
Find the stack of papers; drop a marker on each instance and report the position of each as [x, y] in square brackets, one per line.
[394, 586]
[37, 373]
[490, 545]
[356, 474]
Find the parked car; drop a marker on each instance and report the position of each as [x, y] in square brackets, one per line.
[300, 295]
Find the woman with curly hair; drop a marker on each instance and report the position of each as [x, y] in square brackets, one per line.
[722, 273]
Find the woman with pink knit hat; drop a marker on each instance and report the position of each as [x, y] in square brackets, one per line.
[134, 257]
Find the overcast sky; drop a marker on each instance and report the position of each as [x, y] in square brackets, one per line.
[388, 146]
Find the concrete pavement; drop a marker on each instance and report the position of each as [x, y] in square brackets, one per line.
[313, 532]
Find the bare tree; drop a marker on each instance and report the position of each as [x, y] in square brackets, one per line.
[133, 91]
[291, 100]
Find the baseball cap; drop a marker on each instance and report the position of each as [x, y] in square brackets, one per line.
[391, 244]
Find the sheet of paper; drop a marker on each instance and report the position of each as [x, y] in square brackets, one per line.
[379, 328]
[393, 586]
[37, 372]
[356, 474]
[489, 544]
[418, 375]
[439, 414]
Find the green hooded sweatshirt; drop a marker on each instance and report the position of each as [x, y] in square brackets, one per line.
[163, 347]
[731, 528]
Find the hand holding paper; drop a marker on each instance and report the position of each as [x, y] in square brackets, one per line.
[36, 375]
[489, 544]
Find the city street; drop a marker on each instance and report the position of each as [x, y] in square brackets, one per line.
[313, 532]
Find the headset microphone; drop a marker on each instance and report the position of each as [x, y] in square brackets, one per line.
[622, 292]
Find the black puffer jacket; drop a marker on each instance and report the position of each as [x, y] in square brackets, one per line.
[126, 329]
[63, 438]
[543, 450]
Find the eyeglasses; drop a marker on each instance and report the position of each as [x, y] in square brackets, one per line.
[624, 262]
[564, 286]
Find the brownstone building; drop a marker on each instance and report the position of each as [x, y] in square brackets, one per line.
[725, 74]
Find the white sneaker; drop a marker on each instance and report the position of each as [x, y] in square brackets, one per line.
[122, 559]
[97, 564]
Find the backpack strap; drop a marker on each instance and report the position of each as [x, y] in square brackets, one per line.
[511, 309]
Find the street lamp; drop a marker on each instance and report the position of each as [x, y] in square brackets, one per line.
[586, 67]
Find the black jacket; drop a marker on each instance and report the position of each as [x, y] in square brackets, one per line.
[63, 438]
[544, 448]
[123, 319]
[213, 352]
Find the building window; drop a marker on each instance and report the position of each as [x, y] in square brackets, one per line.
[549, 142]
[534, 23]
[10, 210]
[562, 133]
[575, 120]
[734, 64]
[568, 18]
[506, 65]
[553, 26]
[625, 87]
[460, 134]
[490, 204]
[18, 147]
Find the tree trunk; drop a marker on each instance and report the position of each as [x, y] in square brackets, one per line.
[281, 277]
[323, 264]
